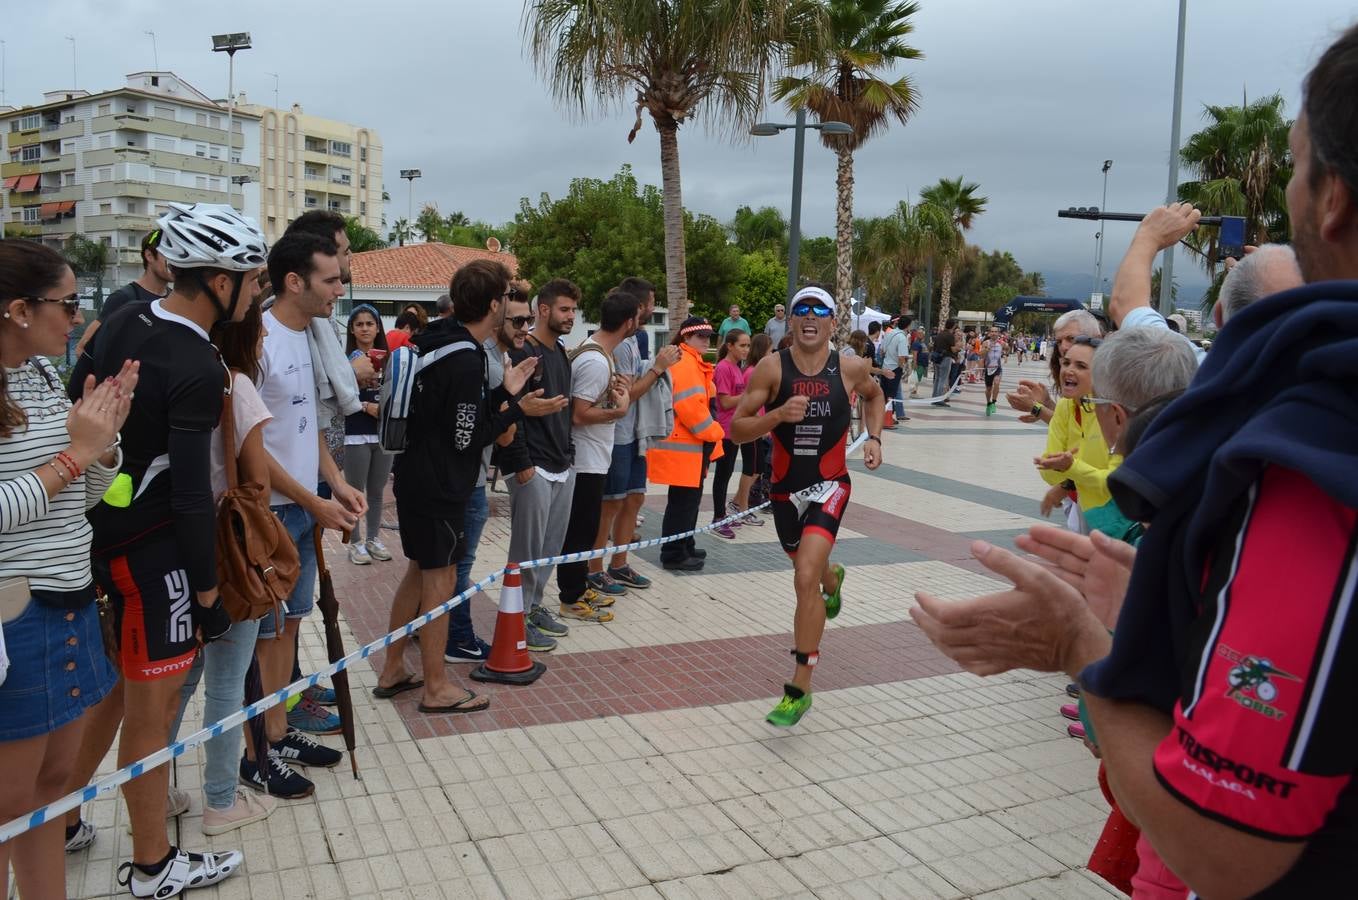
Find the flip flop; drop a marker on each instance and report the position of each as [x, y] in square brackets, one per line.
[466, 704]
[409, 683]
[832, 601]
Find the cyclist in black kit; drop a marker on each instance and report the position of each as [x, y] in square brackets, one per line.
[805, 393]
[155, 529]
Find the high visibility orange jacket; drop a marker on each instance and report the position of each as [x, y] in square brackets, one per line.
[678, 460]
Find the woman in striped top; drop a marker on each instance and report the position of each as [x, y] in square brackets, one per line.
[56, 460]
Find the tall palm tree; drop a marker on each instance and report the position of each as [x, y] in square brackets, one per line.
[846, 65]
[1242, 163]
[679, 58]
[894, 249]
[958, 200]
[763, 229]
[88, 259]
[401, 232]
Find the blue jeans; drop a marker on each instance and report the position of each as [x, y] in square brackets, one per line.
[460, 633]
[302, 600]
[225, 662]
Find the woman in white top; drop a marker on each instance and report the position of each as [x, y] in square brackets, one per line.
[56, 461]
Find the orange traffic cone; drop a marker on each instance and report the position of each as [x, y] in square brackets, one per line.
[509, 662]
[889, 419]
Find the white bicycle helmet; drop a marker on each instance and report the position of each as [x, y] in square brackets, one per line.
[201, 235]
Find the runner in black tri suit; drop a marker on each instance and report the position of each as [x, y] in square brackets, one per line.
[805, 391]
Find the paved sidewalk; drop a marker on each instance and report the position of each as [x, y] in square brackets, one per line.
[639, 765]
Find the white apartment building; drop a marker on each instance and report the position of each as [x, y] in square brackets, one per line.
[107, 165]
[309, 162]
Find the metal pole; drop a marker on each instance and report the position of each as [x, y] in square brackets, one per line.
[1172, 194]
[794, 243]
[410, 202]
[155, 54]
[3, 65]
[230, 110]
[74, 78]
[1098, 271]
[928, 292]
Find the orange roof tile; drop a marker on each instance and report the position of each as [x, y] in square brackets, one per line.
[429, 266]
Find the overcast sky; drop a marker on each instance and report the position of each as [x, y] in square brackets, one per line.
[1028, 99]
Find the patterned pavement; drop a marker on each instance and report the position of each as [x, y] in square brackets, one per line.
[639, 765]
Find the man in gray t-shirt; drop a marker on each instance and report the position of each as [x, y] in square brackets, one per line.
[776, 328]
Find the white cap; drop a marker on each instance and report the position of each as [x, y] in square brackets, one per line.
[815, 295]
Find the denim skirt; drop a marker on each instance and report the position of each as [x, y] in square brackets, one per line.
[57, 669]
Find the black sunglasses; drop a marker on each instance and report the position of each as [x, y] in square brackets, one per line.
[1085, 340]
[520, 321]
[70, 303]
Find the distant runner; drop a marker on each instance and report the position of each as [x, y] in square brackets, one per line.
[805, 391]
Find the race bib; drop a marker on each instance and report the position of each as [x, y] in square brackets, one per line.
[816, 493]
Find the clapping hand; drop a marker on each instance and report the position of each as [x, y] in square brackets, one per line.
[1097, 566]
[94, 420]
[517, 376]
[534, 404]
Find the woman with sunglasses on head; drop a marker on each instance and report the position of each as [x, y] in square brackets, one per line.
[366, 466]
[56, 461]
[1076, 461]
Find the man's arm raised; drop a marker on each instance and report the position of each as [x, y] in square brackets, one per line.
[1163, 227]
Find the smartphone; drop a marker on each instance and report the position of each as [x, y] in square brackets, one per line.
[377, 358]
[1231, 239]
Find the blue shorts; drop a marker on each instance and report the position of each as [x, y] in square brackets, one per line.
[57, 669]
[626, 473]
[300, 602]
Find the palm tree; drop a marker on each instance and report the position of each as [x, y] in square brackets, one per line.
[89, 259]
[1242, 164]
[429, 223]
[763, 229]
[958, 201]
[401, 232]
[677, 57]
[892, 250]
[361, 237]
[846, 64]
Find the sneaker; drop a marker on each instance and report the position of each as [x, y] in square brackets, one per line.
[641, 519]
[183, 871]
[176, 804]
[584, 612]
[596, 599]
[311, 716]
[81, 838]
[378, 550]
[604, 584]
[630, 577]
[282, 781]
[542, 619]
[323, 695]
[247, 809]
[358, 555]
[834, 601]
[724, 531]
[1073, 690]
[477, 651]
[748, 519]
[537, 641]
[990, 409]
[790, 709]
[1076, 730]
[299, 750]
[1071, 711]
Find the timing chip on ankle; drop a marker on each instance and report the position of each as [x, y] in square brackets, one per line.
[806, 659]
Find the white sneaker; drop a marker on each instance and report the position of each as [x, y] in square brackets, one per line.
[378, 550]
[358, 555]
[176, 804]
[183, 871]
[83, 837]
[248, 808]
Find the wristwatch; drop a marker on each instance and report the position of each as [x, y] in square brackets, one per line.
[1037, 409]
[874, 437]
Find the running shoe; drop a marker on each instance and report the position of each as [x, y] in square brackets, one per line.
[537, 641]
[604, 584]
[377, 550]
[79, 838]
[833, 601]
[596, 599]
[1070, 711]
[585, 612]
[748, 519]
[1076, 730]
[180, 873]
[358, 555]
[280, 779]
[310, 716]
[791, 708]
[477, 651]
[990, 409]
[630, 577]
[246, 809]
[1073, 690]
[542, 619]
[299, 750]
[724, 531]
[323, 695]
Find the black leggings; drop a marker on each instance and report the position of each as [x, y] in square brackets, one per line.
[721, 475]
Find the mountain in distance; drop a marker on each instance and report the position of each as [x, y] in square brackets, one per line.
[1077, 285]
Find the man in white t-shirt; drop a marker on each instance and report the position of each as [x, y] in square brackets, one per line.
[304, 269]
[598, 400]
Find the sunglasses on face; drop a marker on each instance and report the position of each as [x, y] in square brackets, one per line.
[809, 309]
[520, 321]
[70, 303]
[1089, 404]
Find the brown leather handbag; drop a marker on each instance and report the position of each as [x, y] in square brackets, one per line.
[257, 562]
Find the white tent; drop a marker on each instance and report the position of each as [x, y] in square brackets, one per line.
[867, 317]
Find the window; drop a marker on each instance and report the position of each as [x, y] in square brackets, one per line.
[107, 241]
[214, 152]
[104, 174]
[363, 182]
[160, 210]
[14, 156]
[132, 108]
[155, 81]
[200, 150]
[31, 153]
[341, 148]
[30, 122]
[164, 112]
[68, 146]
[67, 179]
[215, 184]
[105, 209]
[200, 118]
[31, 214]
[363, 209]
[215, 121]
[166, 176]
[105, 109]
[167, 144]
[106, 140]
[200, 182]
[235, 156]
[131, 206]
[363, 154]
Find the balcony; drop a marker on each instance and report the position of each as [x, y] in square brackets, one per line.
[61, 131]
[19, 168]
[62, 192]
[165, 127]
[118, 222]
[146, 190]
[63, 163]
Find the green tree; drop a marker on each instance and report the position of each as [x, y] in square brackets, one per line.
[817, 260]
[676, 58]
[88, 259]
[959, 201]
[361, 237]
[893, 250]
[429, 224]
[401, 232]
[1242, 165]
[845, 65]
[761, 229]
[761, 286]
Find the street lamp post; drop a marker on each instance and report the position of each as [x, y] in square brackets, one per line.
[1098, 274]
[1166, 301]
[229, 44]
[768, 129]
[410, 175]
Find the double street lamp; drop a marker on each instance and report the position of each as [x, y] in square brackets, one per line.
[768, 129]
[229, 44]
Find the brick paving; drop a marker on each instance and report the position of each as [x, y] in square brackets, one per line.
[639, 765]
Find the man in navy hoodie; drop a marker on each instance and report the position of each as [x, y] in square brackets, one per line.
[1223, 703]
[453, 416]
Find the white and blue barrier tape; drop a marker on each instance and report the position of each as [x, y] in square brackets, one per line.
[52, 810]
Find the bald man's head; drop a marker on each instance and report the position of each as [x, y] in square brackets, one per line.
[1268, 270]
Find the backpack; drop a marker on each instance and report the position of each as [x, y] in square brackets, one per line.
[257, 562]
[605, 400]
[398, 390]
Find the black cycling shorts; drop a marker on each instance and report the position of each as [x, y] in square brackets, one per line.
[153, 609]
[990, 377]
[818, 518]
[431, 542]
